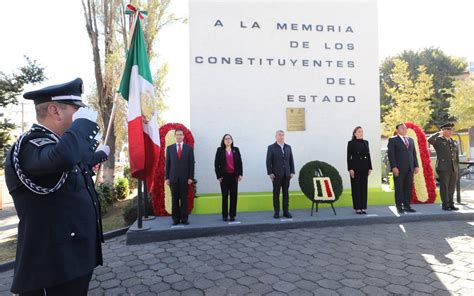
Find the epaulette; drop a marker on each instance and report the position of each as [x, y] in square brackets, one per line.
[38, 142]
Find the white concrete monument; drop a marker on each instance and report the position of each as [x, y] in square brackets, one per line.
[309, 68]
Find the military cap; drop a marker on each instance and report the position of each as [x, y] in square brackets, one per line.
[66, 93]
[447, 125]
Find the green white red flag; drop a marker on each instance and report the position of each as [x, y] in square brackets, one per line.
[137, 88]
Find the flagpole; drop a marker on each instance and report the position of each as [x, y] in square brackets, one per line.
[114, 105]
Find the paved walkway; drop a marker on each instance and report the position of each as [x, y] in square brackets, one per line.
[8, 218]
[161, 228]
[423, 258]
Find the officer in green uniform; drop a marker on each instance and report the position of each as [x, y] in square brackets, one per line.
[447, 164]
[49, 173]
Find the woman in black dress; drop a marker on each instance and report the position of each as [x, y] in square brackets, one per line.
[360, 167]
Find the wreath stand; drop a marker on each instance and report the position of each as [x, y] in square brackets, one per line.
[317, 202]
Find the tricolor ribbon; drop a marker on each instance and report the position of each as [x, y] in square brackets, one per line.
[130, 9]
[133, 12]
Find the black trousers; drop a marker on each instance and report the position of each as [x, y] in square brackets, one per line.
[179, 201]
[229, 188]
[447, 186]
[76, 287]
[359, 190]
[403, 188]
[281, 183]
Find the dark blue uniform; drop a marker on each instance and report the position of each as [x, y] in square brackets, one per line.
[60, 232]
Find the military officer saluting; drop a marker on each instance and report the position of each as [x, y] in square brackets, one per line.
[447, 164]
[48, 172]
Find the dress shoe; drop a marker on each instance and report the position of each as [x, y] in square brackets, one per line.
[363, 212]
[445, 208]
[175, 222]
[276, 216]
[400, 211]
[453, 208]
[287, 215]
[225, 219]
[185, 222]
[410, 210]
[232, 219]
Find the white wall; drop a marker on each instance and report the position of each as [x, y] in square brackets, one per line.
[250, 101]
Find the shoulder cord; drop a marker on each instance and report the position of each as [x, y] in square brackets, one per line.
[24, 179]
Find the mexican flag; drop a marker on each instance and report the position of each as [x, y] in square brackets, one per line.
[137, 88]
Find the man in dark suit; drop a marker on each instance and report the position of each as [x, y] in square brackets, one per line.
[48, 173]
[280, 169]
[403, 161]
[447, 164]
[179, 175]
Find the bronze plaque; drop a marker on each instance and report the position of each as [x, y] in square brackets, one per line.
[295, 119]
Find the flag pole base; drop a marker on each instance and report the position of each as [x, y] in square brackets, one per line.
[136, 229]
[149, 218]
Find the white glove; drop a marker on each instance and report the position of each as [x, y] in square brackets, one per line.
[86, 113]
[98, 137]
[104, 148]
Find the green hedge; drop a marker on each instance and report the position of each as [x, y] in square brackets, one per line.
[105, 194]
[307, 173]
[132, 182]
[121, 188]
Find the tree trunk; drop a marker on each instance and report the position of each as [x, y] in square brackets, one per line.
[106, 19]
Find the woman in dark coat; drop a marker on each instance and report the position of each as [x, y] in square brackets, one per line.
[228, 167]
[360, 167]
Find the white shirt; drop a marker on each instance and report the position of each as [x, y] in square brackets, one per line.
[282, 147]
[405, 138]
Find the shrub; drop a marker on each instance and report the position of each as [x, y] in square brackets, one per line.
[307, 173]
[121, 188]
[105, 195]
[130, 210]
[132, 182]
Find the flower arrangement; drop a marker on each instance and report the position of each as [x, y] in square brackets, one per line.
[158, 192]
[424, 189]
[328, 173]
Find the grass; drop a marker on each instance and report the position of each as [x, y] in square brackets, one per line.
[7, 248]
[113, 218]
[263, 201]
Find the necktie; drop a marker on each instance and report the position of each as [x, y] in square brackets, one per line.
[406, 142]
[179, 151]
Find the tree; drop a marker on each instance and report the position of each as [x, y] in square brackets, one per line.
[11, 87]
[108, 29]
[443, 68]
[462, 103]
[411, 98]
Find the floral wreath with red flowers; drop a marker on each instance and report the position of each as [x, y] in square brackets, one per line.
[424, 186]
[158, 192]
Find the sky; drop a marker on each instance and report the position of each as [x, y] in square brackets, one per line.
[53, 33]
